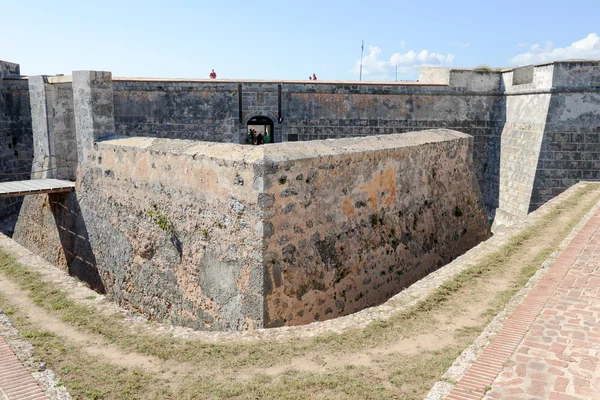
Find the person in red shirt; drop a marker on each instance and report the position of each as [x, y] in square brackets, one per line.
[314, 77]
[213, 74]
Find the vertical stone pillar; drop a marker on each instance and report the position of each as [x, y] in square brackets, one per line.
[94, 109]
[40, 127]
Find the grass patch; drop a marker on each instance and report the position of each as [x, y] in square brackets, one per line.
[416, 374]
[85, 376]
[410, 375]
[115, 329]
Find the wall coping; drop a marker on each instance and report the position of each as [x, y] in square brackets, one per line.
[273, 81]
[286, 151]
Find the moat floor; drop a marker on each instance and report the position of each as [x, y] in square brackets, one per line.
[549, 347]
[80, 342]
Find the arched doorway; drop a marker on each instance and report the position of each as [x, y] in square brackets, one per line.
[260, 130]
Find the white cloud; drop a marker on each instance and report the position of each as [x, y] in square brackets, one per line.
[460, 44]
[402, 44]
[424, 57]
[522, 45]
[588, 47]
[370, 63]
[408, 63]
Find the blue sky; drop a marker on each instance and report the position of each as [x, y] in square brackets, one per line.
[291, 40]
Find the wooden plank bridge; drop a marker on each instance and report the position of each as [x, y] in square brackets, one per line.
[35, 186]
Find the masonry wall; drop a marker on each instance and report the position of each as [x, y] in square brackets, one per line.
[210, 110]
[169, 227]
[206, 111]
[517, 118]
[350, 223]
[64, 144]
[365, 111]
[550, 139]
[515, 151]
[225, 237]
[16, 146]
[570, 149]
[53, 125]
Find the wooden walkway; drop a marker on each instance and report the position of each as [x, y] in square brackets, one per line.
[35, 186]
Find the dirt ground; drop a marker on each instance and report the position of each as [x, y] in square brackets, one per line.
[398, 358]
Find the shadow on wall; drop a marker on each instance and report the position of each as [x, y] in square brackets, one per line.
[74, 239]
[16, 148]
[489, 180]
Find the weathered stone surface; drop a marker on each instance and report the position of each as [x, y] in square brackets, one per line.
[197, 249]
[534, 130]
[93, 109]
[179, 247]
[53, 125]
[403, 301]
[16, 147]
[519, 118]
[384, 211]
[550, 139]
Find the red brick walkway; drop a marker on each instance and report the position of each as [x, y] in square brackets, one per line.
[549, 348]
[16, 382]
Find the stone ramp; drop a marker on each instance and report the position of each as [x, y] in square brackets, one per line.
[549, 348]
[35, 186]
[16, 382]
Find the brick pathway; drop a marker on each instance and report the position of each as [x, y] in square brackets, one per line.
[549, 348]
[16, 382]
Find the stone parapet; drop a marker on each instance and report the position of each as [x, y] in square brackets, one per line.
[220, 236]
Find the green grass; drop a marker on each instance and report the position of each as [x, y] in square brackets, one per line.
[115, 329]
[83, 375]
[411, 375]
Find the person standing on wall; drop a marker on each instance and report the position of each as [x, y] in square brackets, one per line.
[314, 77]
[213, 74]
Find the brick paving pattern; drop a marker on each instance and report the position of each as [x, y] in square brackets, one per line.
[549, 348]
[16, 383]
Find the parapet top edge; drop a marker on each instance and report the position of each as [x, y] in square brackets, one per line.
[346, 146]
[284, 151]
[272, 81]
[500, 70]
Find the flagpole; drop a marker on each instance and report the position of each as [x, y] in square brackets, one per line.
[362, 46]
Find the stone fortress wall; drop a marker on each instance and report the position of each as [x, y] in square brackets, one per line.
[248, 237]
[168, 227]
[534, 133]
[16, 146]
[516, 116]
[349, 223]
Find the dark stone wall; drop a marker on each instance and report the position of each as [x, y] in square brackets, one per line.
[534, 127]
[16, 144]
[176, 110]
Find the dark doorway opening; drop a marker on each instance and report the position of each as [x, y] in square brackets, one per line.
[260, 130]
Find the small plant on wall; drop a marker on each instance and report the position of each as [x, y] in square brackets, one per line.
[161, 220]
[164, 223]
